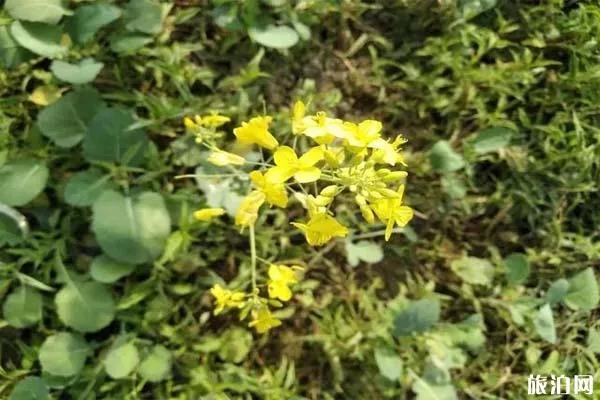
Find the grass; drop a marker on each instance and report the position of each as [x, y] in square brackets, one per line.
[426, 69]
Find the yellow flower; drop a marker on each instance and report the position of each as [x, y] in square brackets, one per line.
[323, 129]
[256, 131]
[206, 214]
[223, 158]
[297, 118]
[248, 212]
[264, 321]
[275, 193]
[321, 228]
[189, 124]
[214, 120]
[391, 212]
[288, 165]
[364, 134]
[280, 277]
[387, 152]
[226, 298]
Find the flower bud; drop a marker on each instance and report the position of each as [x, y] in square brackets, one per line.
[323, 201]
[396, 176]
[367, 214]
[329, 191]
[388, 193]
[360, 200]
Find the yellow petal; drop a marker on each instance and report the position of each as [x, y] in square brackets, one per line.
[279, 290]
[306, 175]
[285, 156]
[207, 214]
[312, 156]
[279, 174]
[388, 229]
[370, 127]
[403, 215]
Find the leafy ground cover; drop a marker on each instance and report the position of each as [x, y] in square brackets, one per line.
[105, 275]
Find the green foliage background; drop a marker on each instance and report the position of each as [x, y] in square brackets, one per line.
[106, 296]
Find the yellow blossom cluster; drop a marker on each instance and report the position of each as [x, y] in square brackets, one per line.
[321, 160]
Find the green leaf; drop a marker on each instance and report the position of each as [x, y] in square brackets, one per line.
[88, 19]
[517, 268]
[66, 121]
[593, 341]
[583, 291]
[453, 186]
[30, 388]
[389, 363]
[23, 307]
[131, 229]
[472, 8]
[557, 291]
[426, 390]
[77, 301]
[13, 226]
[277, 37]
[64, 354]
[418, 317]
[369, 252]
[302, 29]
[129, 44]
[444, 159]
[39, 38]
[473, 270]
[106, 270]
[121, 361]
[544, 323]
[491, 139]
[83, 188]
[11, 54]
[22, 181]
[78, 74]
[235, 345]
[48, 11]
[157, 365]
[109, 139]
[143, 16]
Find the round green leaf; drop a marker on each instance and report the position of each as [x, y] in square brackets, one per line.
[143, 16]
[30, 388]
[473, 270]
[64, 354]
[88, 19]
[106, 270]
[121, 361]
[583, 291]
[85, 306]
[419, 316]
[21, 181]
[277, 37]
[23, 307]
[109, 138]
[83, 188]
[129, 44]
[557, 291]
[369, 252]
[48, 11]
[39, 38]
[131, 230]
[517, 268]
[544, 323]
[235, 344]
[84, 72]
[389, 363]
[444, 159]
[157, 365]
[11, 54]
[66, 120]
[491, 139]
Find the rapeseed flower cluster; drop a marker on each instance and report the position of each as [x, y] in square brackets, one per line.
[327, 159]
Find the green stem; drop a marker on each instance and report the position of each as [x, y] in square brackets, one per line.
[253, 258]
